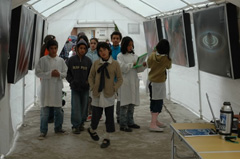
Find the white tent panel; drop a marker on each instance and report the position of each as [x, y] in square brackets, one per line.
[95, 10]
[61, 29]
[139, 7]
[43, 5]
[165, 6]
[16, 3]
[32, 1]
[57, 7]
[6, 131]
[195, 1]
[16, 99]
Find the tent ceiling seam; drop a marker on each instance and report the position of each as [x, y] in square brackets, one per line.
[187, 3]
[122, 5]
[62, 7]
[177, 11]
[150, 6]
[52, 6]
[33, 3]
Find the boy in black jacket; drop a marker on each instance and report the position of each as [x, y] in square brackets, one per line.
[77, 75]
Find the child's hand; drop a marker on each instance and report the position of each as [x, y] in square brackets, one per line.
[144, 64]
[134, 64]
[55, 73]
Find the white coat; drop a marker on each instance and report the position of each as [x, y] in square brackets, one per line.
[129, 91]
[51, 87]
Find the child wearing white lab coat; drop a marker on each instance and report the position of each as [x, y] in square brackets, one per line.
[129, 91]
[51, 69]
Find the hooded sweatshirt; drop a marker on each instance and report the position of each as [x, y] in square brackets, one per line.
[78, 70]
[158, 64]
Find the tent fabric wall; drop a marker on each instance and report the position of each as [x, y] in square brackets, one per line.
[22, 98]
[12, 109]
[61, 30]
[183, 84]
[16, 103]
[6, 131]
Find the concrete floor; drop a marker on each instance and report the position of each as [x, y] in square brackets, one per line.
[140, 143]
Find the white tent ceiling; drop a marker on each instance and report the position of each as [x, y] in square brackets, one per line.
[145, 8]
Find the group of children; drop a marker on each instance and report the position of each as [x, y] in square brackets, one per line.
[103, 73]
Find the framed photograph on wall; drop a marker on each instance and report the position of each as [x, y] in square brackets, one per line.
[217, 40]
[153, 33]
[177, 30]
[5, 17]
[20, 43]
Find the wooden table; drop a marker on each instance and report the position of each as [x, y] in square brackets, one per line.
[206, 147]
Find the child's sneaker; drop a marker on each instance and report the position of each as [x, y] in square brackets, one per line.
[42, 136]
[161, 125]
[75, 130]
[134, 126]
[105, 143]
[81, 128]
[61, 131]
[126, 129]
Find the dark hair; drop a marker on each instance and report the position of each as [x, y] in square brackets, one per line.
[44, 46]
[81, 33]
[85, 38]
[103, 45]
[94, 39]
[48, 37]
[163, 47]
[116, 33]
[52, 43]
[124, 44]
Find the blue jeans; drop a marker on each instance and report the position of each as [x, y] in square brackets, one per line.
[79, 101]
[58, 119]
[126, 115]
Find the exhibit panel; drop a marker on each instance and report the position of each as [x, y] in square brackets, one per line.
[177, 30]
[216, 32]
[153, 33]
[37, 41]
[20, 43]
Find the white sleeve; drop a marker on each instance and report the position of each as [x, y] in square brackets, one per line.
[63, 72]
[125, 67]
[39, 71]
